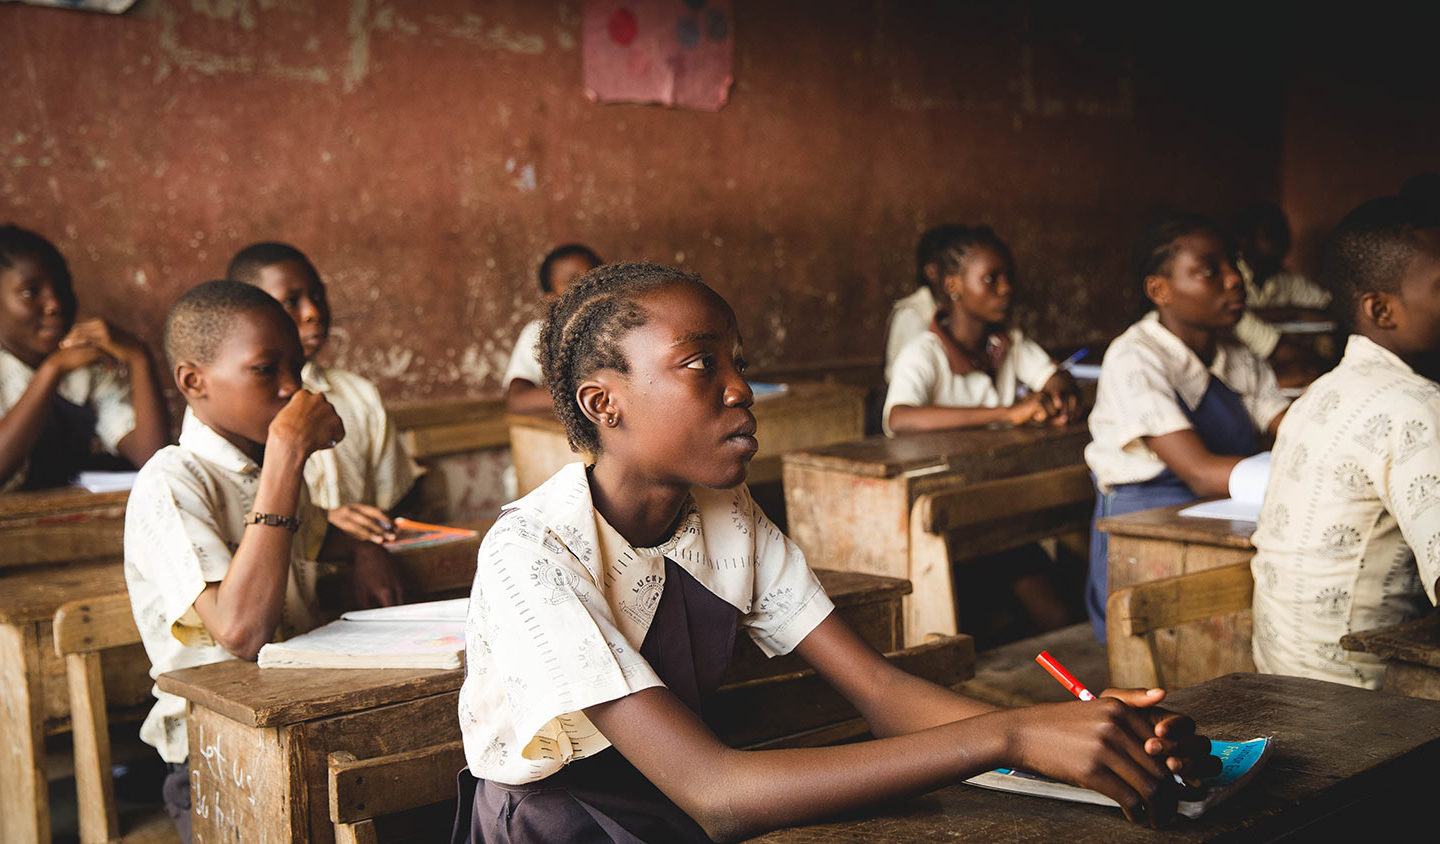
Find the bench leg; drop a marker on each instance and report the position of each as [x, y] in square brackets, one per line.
[24, 798]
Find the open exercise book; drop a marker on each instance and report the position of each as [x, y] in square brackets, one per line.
[1240, 761]
[428, 635]
[1247, 492]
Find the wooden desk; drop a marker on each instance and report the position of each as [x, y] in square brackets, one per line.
[1326, 781]
[259, 740]
[33, 697]
[1151, 544]
[1412, 654]
[849, 505]
[807, 415]
[61, 525]
[464, 446]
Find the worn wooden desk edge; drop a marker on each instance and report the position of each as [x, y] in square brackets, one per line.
[1416, 642]
[1167, 523]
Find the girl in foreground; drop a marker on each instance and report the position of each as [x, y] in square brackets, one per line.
[606, 603]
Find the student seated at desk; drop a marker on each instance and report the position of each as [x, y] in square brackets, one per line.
[69, 393]
[1275, 294]
[218, 529]
[361, 481]
[524, 383]
[606, 604]
[1348, 539]
[911, 315]
[966, 369]
[1180, 401]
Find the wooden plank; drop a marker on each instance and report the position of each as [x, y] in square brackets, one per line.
[1173, 601]
[94, 624]
[61, 525]
[1315, 781]
[1415, 641]
[242, 692]
[1167, 523]
[378, 786]
[538, 449]
[34, 594]
[94, 785]
[431, 429]
[1411, 680]
[241, 782]
[970, 505]
[886, 457]
[24, 800]
[426, 413]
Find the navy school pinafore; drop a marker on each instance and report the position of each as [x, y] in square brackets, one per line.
[1224, 425]
[604, 798]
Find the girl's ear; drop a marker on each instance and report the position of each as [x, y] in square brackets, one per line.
[190, 379]
[954, 284]
[1379, 309]
[1157, 289]
[597, 401]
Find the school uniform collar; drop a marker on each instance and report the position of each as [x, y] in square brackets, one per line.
[1361, 350]
[201, 440]
[1187, 372]
[313, 376]
[996, 344]
[568, 517]
[922, 300]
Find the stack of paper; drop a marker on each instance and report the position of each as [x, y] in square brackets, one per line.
[1247, 492]
[106, 481]
[395, 643]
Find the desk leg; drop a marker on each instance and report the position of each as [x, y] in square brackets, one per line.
[24, 798]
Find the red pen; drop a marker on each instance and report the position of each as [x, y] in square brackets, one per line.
[1051, 664]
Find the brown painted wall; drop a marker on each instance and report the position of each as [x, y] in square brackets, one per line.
[1362, 114]
[394, 142]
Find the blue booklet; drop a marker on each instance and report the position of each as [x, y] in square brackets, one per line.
[1239, 762]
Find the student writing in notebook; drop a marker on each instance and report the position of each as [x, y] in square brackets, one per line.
[368, 476]
[1348, 538]
[606, 603]
[219, 528]
[70, 393]
[524, 382]
[1180, 401]
[968, 367]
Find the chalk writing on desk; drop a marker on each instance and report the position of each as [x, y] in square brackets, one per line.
[221, 786]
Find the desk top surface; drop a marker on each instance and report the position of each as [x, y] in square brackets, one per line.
[885, 457]
[1415, 641]
[34, 593]
[1167, 523]
[60, 503]
[243, 692]
[1313, 769]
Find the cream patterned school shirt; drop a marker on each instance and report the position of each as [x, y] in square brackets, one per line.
[183, 522]
[1283, 290]
[1145, 375]
[369, 466]
[105, 389]
[923, 377]
[909, 318]
[1349, 536]
[562, 602]
[525, 358]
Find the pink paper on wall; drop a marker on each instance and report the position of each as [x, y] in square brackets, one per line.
[672, 52]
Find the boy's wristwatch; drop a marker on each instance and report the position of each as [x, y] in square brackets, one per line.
[290, 523]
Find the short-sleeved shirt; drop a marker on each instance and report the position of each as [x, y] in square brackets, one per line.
[924, 376]
[525, 358]
[183, 522]
[909, 318]
[103, 388]
[369, 466]
[1147, 372]
[561, 604]
[1348, 538]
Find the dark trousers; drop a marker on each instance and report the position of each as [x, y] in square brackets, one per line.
[176, 791]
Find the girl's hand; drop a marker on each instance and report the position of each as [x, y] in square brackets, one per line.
[1028, 410]
[1062, 396]
[67, 359]
[1100, 745]
[1174, 741]
[99, 334]
[374, 580]
[364, 522]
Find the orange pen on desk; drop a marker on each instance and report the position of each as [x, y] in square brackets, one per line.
[1051, 664]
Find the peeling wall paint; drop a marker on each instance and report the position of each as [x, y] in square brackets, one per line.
[427, 153]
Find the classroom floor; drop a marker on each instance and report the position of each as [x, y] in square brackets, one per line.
[1008, 675]
[138, 775]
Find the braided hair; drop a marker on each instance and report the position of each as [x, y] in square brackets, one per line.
[928, 250]
[583, 331]
[957, 241]
[1159, 243]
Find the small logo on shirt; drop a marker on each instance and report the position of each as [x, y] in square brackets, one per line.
[553, 580]
[1412, 439]
[1295, 467]
[1339, 540]
[1332, 603]
[646, 597]
[1325, 405]
[1422, 494]
[1373, 434]
[1351, 480]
